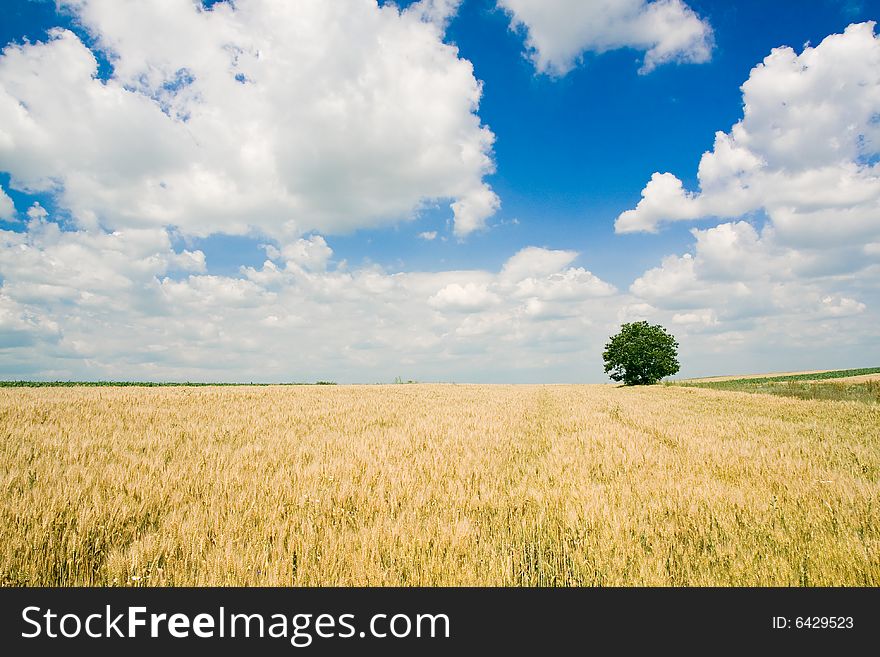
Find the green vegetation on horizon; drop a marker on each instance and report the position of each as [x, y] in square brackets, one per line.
[817, 376]
[819, 385]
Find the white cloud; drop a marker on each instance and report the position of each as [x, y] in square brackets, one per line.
[535, 261]
[272, 116]
[47, 264]
[127, 304]
[733, 261]
[572, 283]
[428, 235]
[438, 12]
[635, 312]
[472, 210]
[92, 304]
[559, 32]
[7, 207]
[837, 306]
[21, 327]
[467, 298]
[37, 211]
[664, 196]
[805, 152]
[739, 280]
[311, 253]
[706, 318]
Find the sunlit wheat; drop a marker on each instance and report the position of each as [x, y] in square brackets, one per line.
[436, 485]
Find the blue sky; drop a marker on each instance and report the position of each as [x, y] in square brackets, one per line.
[572, 151]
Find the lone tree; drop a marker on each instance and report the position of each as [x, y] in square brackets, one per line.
[641, 354]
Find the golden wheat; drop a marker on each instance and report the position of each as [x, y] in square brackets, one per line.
[436, 485]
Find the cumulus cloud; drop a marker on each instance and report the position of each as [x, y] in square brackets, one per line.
[264, 116]
[559, 32]
[21, 327]
[805, 152]
[838, 306]
[37, 211]
[733, 273]
[47, 264]
[129, 304]
[742, 292]
[570, 284]
[663, 197]
[88, 303]
[536, 261]
[468, 297]
[311, 253]
[472, 210]
[438, 12]
[7, 207]
[705, 318]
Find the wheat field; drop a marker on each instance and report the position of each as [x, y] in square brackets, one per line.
[436, 485]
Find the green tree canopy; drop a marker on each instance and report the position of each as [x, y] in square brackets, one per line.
[641, 354]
